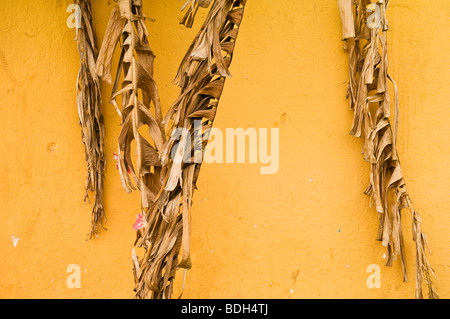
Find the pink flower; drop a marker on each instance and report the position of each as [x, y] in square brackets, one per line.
[116, 158]
[139, 222]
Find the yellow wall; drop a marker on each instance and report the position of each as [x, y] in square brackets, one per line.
[253, 235]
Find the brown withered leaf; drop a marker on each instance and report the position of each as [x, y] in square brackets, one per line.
[127, 23]
[192, 8]
[166, 184]
[370, 101]
[89, 104]
[201, 76]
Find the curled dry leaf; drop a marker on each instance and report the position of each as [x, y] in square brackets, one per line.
[166, 184]
[192, 8]
[166, 232]
[126, 23]
[89, 110]
[370, 101]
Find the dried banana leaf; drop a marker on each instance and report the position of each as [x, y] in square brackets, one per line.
[370, 101]
[201, 76]
[89, 104]
[139, 93]
[166, 185]
[192, 8]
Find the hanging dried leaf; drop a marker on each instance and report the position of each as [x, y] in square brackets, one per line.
[192, 6]
[201, 76]
[166, 184]
[369, 99]
[89, 109]
[127, 22]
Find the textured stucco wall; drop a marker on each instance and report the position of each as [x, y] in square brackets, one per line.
[306, 232]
